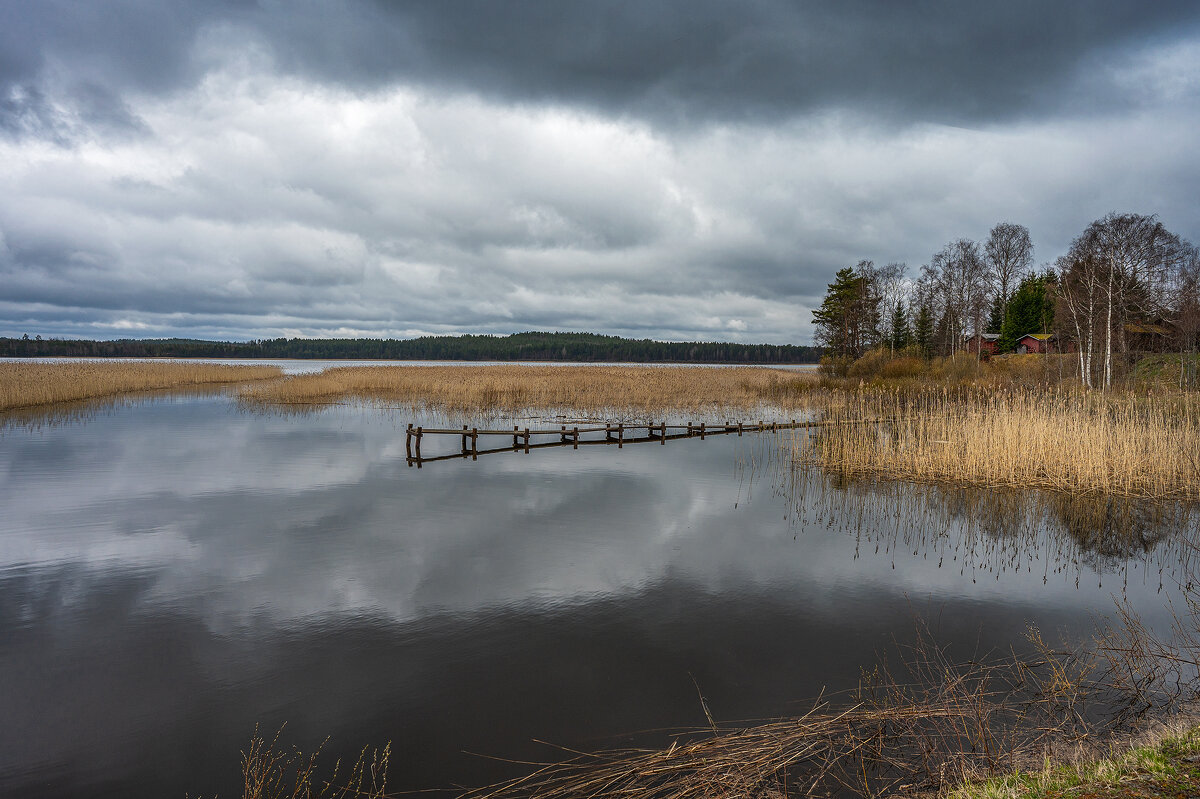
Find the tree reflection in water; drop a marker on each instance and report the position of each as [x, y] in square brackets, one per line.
[992, 531]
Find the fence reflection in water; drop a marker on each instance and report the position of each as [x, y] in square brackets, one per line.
[619, 434]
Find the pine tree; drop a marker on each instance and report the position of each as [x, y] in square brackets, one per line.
[848, 319]
[900, 333]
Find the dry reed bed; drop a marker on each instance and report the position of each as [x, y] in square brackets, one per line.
[27, 385]
[1125, 445]
[771, 760]
[479, 389]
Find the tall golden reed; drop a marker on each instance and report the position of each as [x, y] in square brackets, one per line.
[475, 389]
[1127, 445]
[26, 385]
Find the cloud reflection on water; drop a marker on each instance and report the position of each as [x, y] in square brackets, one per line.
[181, 570]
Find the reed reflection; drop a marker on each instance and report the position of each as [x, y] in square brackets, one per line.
[990, 532]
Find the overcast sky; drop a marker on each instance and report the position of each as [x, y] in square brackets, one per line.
[690, 169]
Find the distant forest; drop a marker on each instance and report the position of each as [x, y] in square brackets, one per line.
[586, 347]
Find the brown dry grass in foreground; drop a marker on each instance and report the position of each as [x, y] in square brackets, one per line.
[27, 385]
[1127, 445]
[478, 389]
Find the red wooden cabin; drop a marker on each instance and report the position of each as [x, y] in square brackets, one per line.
[984, 344]
[1043, 343]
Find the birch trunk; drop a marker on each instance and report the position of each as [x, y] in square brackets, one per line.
[1108, 334]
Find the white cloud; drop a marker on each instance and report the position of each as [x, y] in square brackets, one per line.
[260, 206]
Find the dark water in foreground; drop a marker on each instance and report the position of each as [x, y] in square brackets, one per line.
[176, 572]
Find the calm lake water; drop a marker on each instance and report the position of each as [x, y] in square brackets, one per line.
[308, 365]
[175, 571]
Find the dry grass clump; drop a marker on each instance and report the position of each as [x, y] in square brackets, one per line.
[1126, 445]
[870, 364]
[904, 366]
[26, 385]
[474, 389]
[271, 772]
[772, 760]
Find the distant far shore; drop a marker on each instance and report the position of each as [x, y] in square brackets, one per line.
[533, 346]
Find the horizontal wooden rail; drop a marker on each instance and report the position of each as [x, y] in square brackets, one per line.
[619, 434]
[749, 427]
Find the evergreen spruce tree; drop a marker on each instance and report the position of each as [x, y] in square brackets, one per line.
[996, 315]
[900, 333]
[1031, 310]
[923, 330]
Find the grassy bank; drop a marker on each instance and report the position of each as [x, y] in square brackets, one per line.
[1166, 765]
[883, 368]
[31, 385]
[1128, 445]
[484, 389]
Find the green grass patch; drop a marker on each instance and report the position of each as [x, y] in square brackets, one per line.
[1169, 369]
[1168, 768]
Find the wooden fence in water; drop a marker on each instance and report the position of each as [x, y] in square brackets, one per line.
[564, 436]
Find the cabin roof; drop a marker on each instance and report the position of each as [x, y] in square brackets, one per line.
[1038, 336]
[984, 336]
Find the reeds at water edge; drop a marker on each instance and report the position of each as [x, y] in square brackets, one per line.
[1125, 445]
[482, 389]
[28, 385]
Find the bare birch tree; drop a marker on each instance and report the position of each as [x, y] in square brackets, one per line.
[1081, 303]
[959, 274]
[1119, 268]
[1009, 253]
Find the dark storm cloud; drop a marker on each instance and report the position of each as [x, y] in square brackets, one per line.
[676, 170]
[685, 60]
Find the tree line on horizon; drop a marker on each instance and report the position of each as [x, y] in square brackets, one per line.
[530, 346]
[1125, 284]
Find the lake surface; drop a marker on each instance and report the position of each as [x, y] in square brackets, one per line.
[310, 365]
[177, 570]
